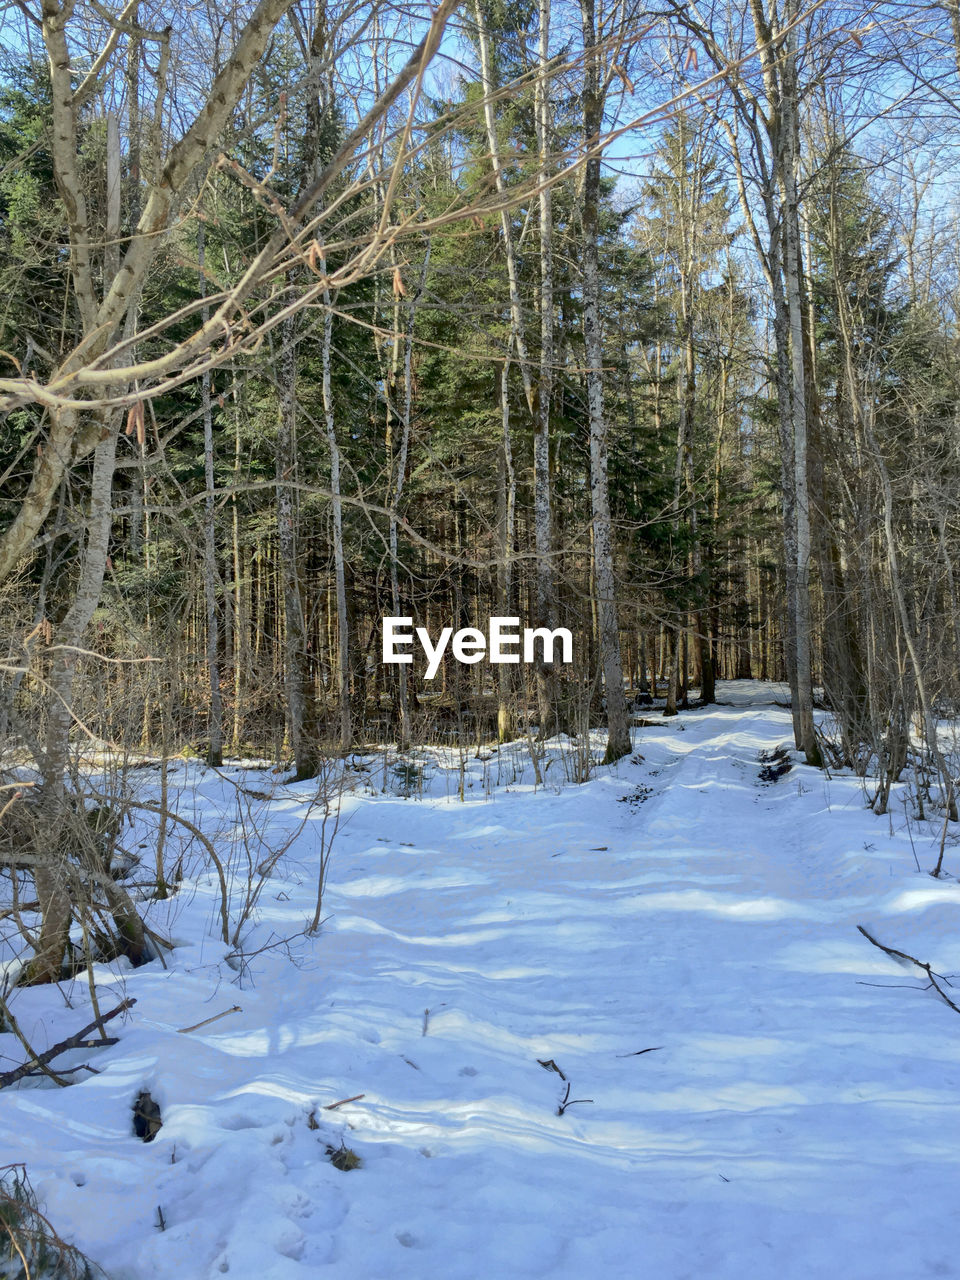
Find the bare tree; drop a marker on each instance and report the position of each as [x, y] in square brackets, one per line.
[88, 385]
[594, 94]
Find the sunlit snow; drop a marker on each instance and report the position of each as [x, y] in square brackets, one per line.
[798, 1115]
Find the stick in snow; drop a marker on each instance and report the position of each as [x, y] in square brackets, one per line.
[72, 1042]
[426, 1016]
[206, 1022]
[921, 964]
[332, 1106]
[569, 1102]
[65, 1071]
[549, 1065]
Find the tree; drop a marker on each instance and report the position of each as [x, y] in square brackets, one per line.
[594, 92]
[688, 227]
[106, 292]
[768, 117]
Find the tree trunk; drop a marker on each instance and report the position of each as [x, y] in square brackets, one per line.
[506, 721]
[608, 626]
[543, 517]
[215, 720]
[673, 670]
[298, 683]
[791, 268]
[343, 621]
[54, 810]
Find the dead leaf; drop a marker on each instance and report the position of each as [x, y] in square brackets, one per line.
[627, 82]
[690, 62]
[135, 422]
[398, 286]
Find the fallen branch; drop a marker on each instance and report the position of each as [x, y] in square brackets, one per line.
[66, 1071]
[332, 1106]
[72, 1042]
[921, 964]
[7, 1019]
[637, 1052]
[182, 1031]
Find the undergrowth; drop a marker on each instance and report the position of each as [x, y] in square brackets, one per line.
[30, 1248]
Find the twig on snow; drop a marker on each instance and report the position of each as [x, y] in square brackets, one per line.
[921, 964]
[548, 1064]
[567, 1101]
[206, 1022]
[72, 1042]
[426, 1016]
[66, 1071]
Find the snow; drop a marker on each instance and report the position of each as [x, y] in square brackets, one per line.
[799, 1116]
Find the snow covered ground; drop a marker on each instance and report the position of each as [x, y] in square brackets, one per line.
[800, 1116]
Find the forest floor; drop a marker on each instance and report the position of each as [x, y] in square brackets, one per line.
[797, 1114]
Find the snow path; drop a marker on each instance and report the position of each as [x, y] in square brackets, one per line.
[792, 1122]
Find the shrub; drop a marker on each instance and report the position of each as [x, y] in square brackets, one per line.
[30, 1248]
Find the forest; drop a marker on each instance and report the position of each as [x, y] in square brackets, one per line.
[631, 323]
